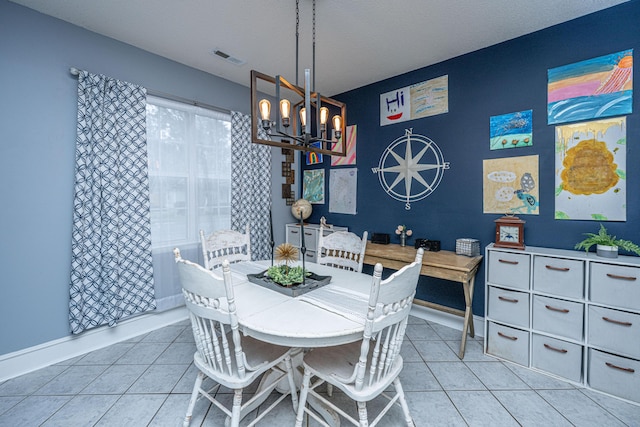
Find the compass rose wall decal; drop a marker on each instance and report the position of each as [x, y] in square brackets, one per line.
[411, 168]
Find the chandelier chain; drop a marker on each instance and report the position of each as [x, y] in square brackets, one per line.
[314, 46]
[297, 38]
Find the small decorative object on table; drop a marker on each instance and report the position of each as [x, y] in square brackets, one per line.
[285, 279]
[403, 232]
[468, 247]
[380, 238]
[606, 244]
[427, 245]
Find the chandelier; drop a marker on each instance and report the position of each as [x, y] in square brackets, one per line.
[302, 114]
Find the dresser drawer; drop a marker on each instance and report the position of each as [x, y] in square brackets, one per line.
[293, 235]
[508, 306]
[615, 375]
[557, 357]
[309, 256]
[509, 269]
[559, 317]
[311, 238]
[614, 330]
[508, 343]
[557, 276]
[615, 285]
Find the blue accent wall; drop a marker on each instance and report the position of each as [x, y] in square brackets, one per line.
[38, 111]
[504, 78]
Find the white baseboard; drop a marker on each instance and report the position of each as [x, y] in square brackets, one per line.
[447, 319]
[40, 356]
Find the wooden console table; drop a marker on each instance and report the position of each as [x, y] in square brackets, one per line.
[442, 265]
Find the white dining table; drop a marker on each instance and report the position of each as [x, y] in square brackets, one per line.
[330, 315]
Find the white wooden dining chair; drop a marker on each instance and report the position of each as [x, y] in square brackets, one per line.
[225, 244]
[341, 249]
[364, 369]
[223, 355]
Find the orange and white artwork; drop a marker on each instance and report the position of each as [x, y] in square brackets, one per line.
[350, 158]
[590, 173]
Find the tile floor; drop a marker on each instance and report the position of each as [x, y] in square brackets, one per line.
[147, 381]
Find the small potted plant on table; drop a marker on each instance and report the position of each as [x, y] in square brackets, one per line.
[606, 244]
[283, 274]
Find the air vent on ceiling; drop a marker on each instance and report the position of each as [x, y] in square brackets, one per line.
[228, 58]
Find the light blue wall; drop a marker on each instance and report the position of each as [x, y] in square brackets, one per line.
[38, 110]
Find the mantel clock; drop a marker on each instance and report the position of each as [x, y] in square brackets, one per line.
[509, 232]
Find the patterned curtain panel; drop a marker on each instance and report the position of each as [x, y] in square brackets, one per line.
[111, 270]
[250, 185]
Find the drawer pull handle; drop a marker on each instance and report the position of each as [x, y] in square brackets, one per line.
[506, 261]
[308, 234]
[508, 299]
[611, 365]
[294, 232]
[559, 350]
[552, 308]
[551, 267]
[507, 336]
[617, 322]
[615, 276]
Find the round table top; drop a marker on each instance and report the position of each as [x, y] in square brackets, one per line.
[331, 315]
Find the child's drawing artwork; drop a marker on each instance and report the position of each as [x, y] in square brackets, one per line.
[591, 89]
[590, 181]
[312, 157]
[350, 158]
[343, 189]
[419, 100]
[510, 185]
[313, 186]
[511, 130]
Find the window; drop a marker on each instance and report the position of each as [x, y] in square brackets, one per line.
[189, 151]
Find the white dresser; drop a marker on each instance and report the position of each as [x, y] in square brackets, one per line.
[567, 313]
[311, 232]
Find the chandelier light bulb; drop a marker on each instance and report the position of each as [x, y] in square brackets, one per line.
[265, 113]
[324, 115]
[285, 111]
[303, 117]
[337, 125]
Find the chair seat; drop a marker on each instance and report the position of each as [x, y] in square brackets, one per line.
[259, 356]
[337, 363]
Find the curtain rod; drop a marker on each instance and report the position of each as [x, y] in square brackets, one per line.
[75, 72]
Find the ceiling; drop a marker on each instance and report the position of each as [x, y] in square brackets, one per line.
[357, 41]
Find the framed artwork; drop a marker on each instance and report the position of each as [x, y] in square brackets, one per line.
[590, 180]
[510, 185]
[511, 130]
[313, 186]
[592, 89]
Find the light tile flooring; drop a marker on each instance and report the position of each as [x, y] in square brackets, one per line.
[147, 381]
